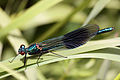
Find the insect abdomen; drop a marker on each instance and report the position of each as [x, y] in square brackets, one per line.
[105, 30]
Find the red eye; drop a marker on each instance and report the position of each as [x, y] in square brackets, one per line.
[22, 53]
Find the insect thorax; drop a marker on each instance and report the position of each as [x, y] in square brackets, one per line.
[32, 49]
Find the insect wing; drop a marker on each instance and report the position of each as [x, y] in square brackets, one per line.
[53, 44]
[80, 36]
[73, 39]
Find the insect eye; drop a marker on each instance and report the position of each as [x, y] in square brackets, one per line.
[22, 53]
[22, 46]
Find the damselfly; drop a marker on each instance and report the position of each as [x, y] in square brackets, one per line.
[70, 40]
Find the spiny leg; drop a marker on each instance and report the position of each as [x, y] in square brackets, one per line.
[58, 54]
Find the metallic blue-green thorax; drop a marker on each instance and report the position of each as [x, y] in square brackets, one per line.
[32, 49]
[47, 45]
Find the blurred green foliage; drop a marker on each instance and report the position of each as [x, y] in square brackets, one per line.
[24, 22]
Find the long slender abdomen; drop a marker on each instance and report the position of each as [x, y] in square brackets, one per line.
[105, 30]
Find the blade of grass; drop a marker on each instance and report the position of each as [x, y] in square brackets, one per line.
[117, 77]
[99, 6]
[22, 5]
[12, 72]
[28, 15]
[40, 75]
[103, 70]
[107, 56]
[90, 46]
[1, 47]
[9, 6]
[32, 74]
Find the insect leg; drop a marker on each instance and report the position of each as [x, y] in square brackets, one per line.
[25, 58]
[13, 59]
[38, 59]
[58, 54]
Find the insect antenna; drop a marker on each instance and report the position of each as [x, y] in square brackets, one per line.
[13, 58]
[58, 54]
